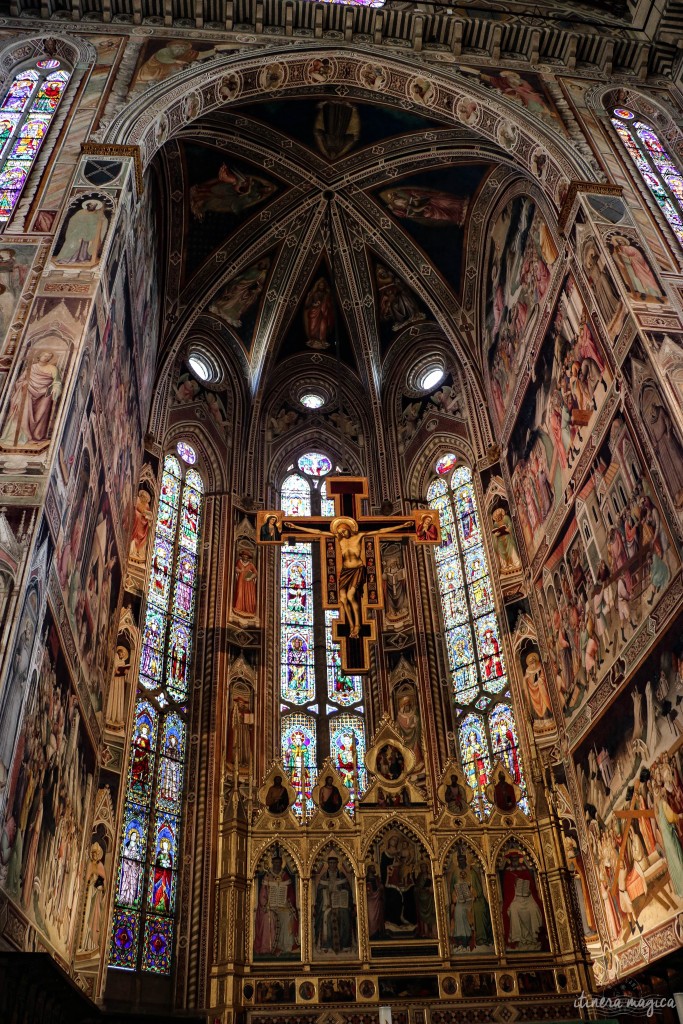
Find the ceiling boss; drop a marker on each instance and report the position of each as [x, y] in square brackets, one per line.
[351, 559]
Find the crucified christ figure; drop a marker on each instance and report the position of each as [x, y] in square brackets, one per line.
[353, 572]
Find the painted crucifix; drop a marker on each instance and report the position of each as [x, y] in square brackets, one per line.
[351, 559]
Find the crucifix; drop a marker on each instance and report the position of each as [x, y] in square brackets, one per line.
[351, 558]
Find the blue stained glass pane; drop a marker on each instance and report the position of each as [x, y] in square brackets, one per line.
[296, 564]
[296, 496]
[465, 684]
[299, 755]
[143, 745]
[194, 480]
[178, 660]
[481, 596]
[314, 464]
[298, 669]
[468, 523]
[326, 504]
[476, 762]
[30, 137]
[20, 91]
[162, 876]
[347, 748]
[462, 475]
[459, 645]
[123, 950]
[158, 945]
[132, 857]
[436, 488]
[160, 577]
[475, 563]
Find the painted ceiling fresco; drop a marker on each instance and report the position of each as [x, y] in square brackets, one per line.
[434, 209]
[221, 193]
[257, 190]
[334, 127]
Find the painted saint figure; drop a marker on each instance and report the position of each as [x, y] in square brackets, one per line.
[35, 395]
[163, 877]
[84, 236]
[244, 602]
[334, 910]
[276, 931]
[140, 763]
[318, 315]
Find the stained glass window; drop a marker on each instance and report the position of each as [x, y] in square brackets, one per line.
[656, 167]
[25, 115]
[485, 726]
[146, 894]
[321, 705]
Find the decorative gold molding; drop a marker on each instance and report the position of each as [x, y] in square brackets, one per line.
[576, 187]
[111, 149]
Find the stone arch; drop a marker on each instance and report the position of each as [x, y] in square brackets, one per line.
[409, 828]
[269, 846]
[458, 841]
[421, 471]
[209, 464]
[153, 118]
[338, 846]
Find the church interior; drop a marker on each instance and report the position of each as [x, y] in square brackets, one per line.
[341, 511]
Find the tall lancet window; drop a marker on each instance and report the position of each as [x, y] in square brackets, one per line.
[657, 169]
[485, 725]
[146, 894]
[26, 112]
[321, 708]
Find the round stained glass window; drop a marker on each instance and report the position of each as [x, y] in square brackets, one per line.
[431, 377]
[312, 400]
[623, 113]
[199, 366]
[186, 452]
[47, 65]
[446, 463]
[314, 464]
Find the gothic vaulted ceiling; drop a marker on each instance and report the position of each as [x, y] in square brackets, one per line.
[289, 212]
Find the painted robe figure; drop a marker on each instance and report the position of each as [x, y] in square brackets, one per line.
[163, 877]
[318, 315]
[469, 915]
[246, 574]
[537, 687]
[277, 917]
[504, 543]
[522, 914]
[131, 869]
[34, 398]
[86, 229]
[142, 519]
[334, 911]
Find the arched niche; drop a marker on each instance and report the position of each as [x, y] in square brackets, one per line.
[400, 889]
[277, 903]
[470, 925]
[333, 900]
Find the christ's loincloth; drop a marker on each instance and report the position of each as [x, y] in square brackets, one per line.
[353, 578]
